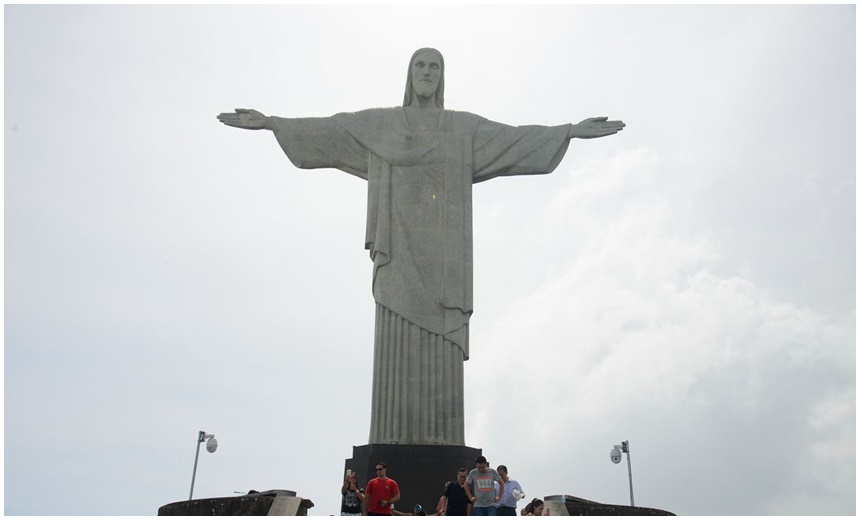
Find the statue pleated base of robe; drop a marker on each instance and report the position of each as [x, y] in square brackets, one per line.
[419, 234]
[417, 385]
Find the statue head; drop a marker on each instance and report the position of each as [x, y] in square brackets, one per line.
[426, 77]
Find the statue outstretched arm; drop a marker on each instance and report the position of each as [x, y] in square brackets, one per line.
[595, 127]
[246, 118]
[309, 142]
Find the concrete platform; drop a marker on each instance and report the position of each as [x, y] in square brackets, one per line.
[569, 505]
[275, 502]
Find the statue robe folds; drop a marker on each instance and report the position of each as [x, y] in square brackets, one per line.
[419, 234]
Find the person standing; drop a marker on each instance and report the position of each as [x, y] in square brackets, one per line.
[534, 508]
[381, 493]
[507, 506]
[454, 500]
[353, 496]
[481, 490]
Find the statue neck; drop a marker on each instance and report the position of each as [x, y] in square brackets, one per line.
[423, 102]
[428, 119]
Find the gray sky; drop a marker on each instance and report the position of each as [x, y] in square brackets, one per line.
[688, 284]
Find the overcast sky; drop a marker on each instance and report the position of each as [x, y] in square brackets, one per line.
[687, 285]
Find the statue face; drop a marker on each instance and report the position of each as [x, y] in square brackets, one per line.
[426, 71]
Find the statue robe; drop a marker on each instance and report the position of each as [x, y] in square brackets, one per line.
[419, 234]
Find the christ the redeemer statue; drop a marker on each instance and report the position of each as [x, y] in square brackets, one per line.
[420, 162]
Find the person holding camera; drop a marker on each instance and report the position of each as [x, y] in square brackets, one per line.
[352, 495]
[382, 493]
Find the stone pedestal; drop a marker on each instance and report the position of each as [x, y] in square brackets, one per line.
[569, 505]
[275, 502]
[420, 470]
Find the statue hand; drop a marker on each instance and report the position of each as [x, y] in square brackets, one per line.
[248, 119]
[595, 127]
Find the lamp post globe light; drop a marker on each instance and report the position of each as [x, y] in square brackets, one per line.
[615, 457]
[211, 446]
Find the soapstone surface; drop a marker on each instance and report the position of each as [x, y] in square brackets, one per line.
[420, 162]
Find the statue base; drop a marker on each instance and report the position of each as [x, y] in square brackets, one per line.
[569, 505]
[420, 470]
[275, 502]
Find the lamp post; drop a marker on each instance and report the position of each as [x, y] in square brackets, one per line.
[615, 456]
[211, 446]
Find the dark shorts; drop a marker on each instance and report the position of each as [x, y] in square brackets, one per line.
[507, 511]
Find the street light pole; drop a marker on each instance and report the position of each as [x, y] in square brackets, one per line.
[211, 446]
[625, 447]
[615, 456]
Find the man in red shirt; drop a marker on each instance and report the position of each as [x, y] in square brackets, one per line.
[381, 493]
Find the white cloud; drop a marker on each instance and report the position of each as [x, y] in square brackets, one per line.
[634, 336]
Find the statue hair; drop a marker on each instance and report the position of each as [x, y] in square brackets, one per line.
[440, 88]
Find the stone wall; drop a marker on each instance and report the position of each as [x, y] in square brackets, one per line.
[275, 502]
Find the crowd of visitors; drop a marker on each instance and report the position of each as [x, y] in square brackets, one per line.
[483, 491]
